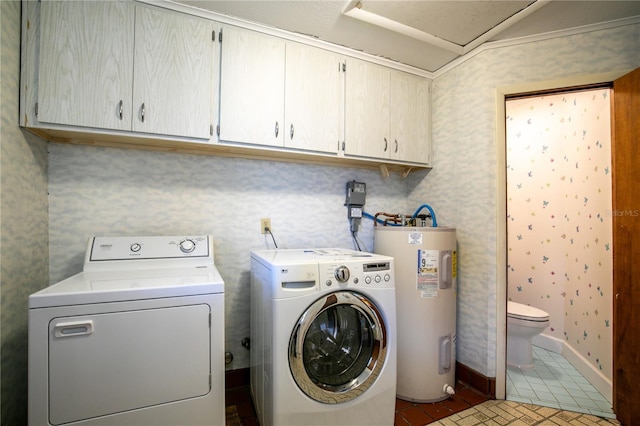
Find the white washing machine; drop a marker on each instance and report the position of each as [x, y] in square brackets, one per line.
[323, 337]
[136, 338]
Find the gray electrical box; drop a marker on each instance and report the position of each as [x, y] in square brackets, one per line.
[356, 193]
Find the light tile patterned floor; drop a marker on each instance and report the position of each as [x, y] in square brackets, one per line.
[555, 383]
[497, 412]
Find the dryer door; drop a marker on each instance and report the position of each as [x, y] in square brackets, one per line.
[338, 347]
[109, 363]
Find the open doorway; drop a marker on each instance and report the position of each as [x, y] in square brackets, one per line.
[559, 216]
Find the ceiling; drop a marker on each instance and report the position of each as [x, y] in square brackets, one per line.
[425, 34]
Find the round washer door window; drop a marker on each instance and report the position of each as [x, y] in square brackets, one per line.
[338, 347]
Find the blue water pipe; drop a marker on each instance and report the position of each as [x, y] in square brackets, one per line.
[434, 223]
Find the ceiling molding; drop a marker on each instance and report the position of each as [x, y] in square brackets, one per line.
[355, 10]
[509, 22]
[417, 52]
[287, 35]
[634, 20]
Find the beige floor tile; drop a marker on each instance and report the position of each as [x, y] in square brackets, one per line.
[497, 412]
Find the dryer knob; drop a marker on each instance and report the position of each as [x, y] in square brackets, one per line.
[342, 274]
[187, 246]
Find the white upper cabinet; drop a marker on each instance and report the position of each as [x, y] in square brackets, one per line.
[279, 93]
[410, 118]
[387, 113]
[367, 109]
[129, 73]
[314, 99]
[173, 74]
[85, 75]
[102, 61]
[251, 87]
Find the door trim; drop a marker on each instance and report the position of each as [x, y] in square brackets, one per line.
[501, 201]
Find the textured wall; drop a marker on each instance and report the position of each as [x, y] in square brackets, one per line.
[462, 186]
[23, 226]
[99, 191]
[559, 217]
[105, 191]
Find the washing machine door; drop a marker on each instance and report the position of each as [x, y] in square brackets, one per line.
[338, 347]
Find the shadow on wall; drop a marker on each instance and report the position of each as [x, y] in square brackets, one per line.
[14, 376]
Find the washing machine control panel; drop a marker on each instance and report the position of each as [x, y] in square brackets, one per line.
[375, 274]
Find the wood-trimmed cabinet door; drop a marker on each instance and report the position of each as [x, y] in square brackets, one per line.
[367, 109]
[410, 118]
[174, 73]
[85, 71]
[314, 99]
[252, 77]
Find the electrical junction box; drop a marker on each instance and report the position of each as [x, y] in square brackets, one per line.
[356, 195]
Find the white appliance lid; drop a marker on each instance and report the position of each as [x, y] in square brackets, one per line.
[117, 286]
[518, 310]
[318, 255]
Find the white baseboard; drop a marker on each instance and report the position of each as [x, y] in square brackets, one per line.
[549, 343]
[590, 372]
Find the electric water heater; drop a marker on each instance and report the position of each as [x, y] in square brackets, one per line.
[426, 287]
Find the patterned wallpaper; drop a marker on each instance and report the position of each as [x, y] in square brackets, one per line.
[462, 187]
[559, 216]
[108, 191]
[23, 229]
[100, 190]
[96, 191]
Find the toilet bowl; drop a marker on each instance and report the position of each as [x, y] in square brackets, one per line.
[523, 322]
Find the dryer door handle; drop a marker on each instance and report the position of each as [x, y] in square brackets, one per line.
[69, 329]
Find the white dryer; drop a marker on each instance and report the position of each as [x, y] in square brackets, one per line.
[136, 338]
[323, 337]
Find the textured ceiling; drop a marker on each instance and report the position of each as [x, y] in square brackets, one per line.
[425, 34]
[459, 22]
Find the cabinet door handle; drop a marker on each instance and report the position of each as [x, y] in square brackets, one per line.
[291, 131]
[385, 144]
[277, 129]
[142, 112]
[120, 109]
[396, 141]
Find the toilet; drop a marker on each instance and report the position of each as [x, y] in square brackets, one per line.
[523, 322]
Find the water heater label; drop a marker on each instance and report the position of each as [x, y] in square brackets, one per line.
[414, 238]
[428, 275]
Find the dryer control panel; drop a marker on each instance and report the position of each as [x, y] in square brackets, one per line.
[150, 247]
[148, 252]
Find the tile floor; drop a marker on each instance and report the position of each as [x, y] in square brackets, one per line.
[496, 412]
[552, 393]
[555, 383]
[415, 414]
[407, 413]
[467, 407]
